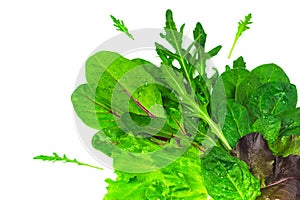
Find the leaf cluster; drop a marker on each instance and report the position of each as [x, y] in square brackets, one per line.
[170, 129]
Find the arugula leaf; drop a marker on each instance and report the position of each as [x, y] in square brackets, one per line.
[243, 26]
[180, 180]
[57, 158]
[119, 24]
[226, 177]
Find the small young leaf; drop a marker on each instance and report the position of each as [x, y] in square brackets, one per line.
[56, 158]
[119, 24]
[243, 26]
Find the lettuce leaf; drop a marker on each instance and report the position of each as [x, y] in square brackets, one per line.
[180, 180]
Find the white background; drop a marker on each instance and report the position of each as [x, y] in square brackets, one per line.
[44, 43]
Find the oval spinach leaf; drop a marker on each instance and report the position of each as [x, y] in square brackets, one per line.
[257, 77]
[272, 98]
[236, 123]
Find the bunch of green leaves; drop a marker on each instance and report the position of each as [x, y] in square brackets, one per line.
[173, 132]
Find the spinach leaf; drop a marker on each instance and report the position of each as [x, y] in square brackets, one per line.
[254, 150]
[92, 101]
[272, 98]
[228, 178]
[236, 123]
[285, 182]
[226, 85]
[268, 126]
[290, 120]
[257, 77]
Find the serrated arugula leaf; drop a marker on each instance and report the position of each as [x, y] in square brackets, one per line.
[228, 178]
[243, 26]
[64, 158]
[119, 24]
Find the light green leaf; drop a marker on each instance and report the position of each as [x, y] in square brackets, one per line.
[180, 180]
[228, 178]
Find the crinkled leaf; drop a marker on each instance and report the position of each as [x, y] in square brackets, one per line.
[228, 178]
[272, 98]
[254, 150]
[285, 182]
[180, 180]
[268, 126]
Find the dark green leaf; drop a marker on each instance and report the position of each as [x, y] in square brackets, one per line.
[199, 35]
[272, 98]
[236, 123]
[268, 126]
[239, 63]
[257, 77]
[290, 122]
